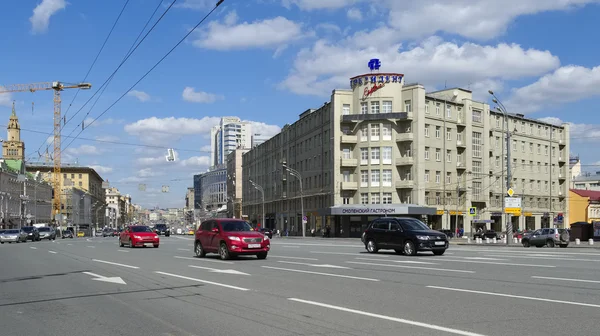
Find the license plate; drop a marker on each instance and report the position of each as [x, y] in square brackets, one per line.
[440, 243]
[148, 244]
[253, 245]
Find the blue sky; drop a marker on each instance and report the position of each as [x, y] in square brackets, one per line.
[267, 61]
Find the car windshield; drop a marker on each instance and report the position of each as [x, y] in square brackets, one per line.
[140, 229]
[67, 232]
[44, 229]
[413, 224]
[12, 231]
[161, 226]
[236, 226]
[28, 228]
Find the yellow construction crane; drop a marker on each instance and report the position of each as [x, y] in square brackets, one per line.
[57, 87]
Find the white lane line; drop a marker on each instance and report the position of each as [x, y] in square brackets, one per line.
[70, 244]
[205, 259]
[180, 249]
[516, 296]
[91, 246]
[566, 279]
[306, 244]
[33, 248]
[216, 270]
[313, 265]
[295, 258]
[122, 250]
[288, 246]
[482, 258]
[525, 252]
[203, 281]
[319, 273]
[411, 267]
[494, 263]
[53, 252]
[389, 318]
[400, 261]
[544, 257]
[114, 263]
[347, 253]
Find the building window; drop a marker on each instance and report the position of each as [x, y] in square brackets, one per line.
[375, 199]
[438, 176]
[437, 132]
[426, 130]
[364, 156]
[539, 147]
[375, 177]
[374, 107]
[364, 108]
[448, 111]
[427, 107]
[448, 155]
[448, 133]
[375, 154]
[407, 106]
[364, 178]
[346, 109]
[476, 190]
[426, 153]
[387, 106]
[386, 132]
[387, 155]
[545, 150]
[375, 131]
[448, 178]
[346, 200]
[497, 122]
[426, 175]
[438, 154]
[387, 198]
[477, 116]
[497, 161]
[386, 177]
[437, 109]
[477, 144]
[364, 198]
[346, 176]
[364, 132]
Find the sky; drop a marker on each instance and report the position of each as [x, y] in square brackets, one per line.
[267, 61]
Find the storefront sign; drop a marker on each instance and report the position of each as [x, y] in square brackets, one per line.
[389, 210]
[369, 91]
[350, 211]
[374, 64]
[383, 78]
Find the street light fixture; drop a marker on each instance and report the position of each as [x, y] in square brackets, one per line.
[262, 192]
[297, 174]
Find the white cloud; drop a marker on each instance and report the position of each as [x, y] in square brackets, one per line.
[578, 132]
[196, 161]
[42, 13]
[196, 4]
[148, 172]
[101, 122]
[431, 62]
[268, 33]
[318, 4]
[140, 95]
[264, 129]
[566, 84]
[5, 99]
[84, 150]
[205, 148]
[183, 126]
[354, 14]
[108, 138]
[191, 95]
[102, 169]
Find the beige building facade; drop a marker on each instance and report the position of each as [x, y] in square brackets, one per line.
[389, 148]
[235, 182]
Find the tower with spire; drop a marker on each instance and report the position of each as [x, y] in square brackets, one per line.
[13, 148]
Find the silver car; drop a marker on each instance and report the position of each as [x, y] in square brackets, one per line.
[12, 236]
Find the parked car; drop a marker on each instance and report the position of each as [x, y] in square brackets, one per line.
[139, 235]
[13, 236]
[67, 234]
[47, 233]
[547, 237]
[405, 235]
[229, 238]
[32, 233]
[491, 234]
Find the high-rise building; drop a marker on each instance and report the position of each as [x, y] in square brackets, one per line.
[13, 148]
[384, 147]
[230, 134]
[258, 138]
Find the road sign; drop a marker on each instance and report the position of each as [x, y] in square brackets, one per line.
[512, 202]
[510, 192]
[472, 211]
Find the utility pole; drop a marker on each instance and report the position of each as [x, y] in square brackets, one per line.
[262, 192]
[297, 174]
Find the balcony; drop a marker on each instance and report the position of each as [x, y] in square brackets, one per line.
[349, 162]
[561, 159]
[404, 137]
[561, 175]
[349, 186]
[460, 144]
[405, 161]
[405, 184]
[461, 166]
[349, 139]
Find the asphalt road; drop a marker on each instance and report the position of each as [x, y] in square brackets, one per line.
[305, 287]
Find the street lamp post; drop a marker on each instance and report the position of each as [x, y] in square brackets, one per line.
[297, 174]
[502, 109]
[262, 192]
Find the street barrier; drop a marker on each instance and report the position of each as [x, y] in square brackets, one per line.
[591, 241]
[577, 241]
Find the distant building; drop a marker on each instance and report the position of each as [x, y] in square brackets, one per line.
[584, 205]
[230, 134]
[234, 183]
[210, 189]
[189, 199]
[258, 139]
[586, 181]
[13, 148]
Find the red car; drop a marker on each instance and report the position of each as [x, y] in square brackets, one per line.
[229, 238]
[138, 235]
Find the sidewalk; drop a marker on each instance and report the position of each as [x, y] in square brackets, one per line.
[500, 244]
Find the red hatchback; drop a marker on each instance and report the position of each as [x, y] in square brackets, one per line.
[229, 238]
[138, 235]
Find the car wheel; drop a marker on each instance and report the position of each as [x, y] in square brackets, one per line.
[550, 243]
[131, 243]
[526, 243]
[198, 250]
[156, 246]
[121, 243]
[563, 245]
[224, 252]
[262, 255]
[371, 246]
[409, 248]
[439, 252]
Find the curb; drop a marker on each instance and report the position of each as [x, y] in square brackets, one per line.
[519, 245]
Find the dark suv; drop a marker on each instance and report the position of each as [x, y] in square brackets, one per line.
[162, 229]
[405, 235]
[32, 233]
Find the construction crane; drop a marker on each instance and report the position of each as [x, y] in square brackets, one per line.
[57, 87]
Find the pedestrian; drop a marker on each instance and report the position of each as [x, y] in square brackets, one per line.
[312, 232]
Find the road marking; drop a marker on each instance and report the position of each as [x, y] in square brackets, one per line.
[203, 281]
[517, 296]
[306, 244]
[313, 265]
[70, 244]
[389, 318]
[288, 246]
[521, 252]
[122, 250]
[400, 261]
[297, 258]
[482, 258]
[494, 263]
[114, 263]
[205, 259]
[566, 279]
[91, 246]
[346, 253]
[53, 252]
[411, 267]
[544, 257]
[33, 248]
[116, 280]
[319, 273]
[214, 270]
[180, 249]
[183, 238]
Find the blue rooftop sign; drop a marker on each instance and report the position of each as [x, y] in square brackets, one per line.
[374, 64]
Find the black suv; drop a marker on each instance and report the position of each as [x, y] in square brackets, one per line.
[32, 233]
[405, 235]
[162, 229]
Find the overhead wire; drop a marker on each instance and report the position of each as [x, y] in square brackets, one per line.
[149, 71]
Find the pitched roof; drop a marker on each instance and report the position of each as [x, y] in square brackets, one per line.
[592, 194]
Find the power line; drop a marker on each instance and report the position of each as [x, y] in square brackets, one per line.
[150, 70]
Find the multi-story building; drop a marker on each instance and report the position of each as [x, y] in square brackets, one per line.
[384, 147]
[584, 206]
[586, 181]
[213, 189]
[235, 182]
[189, 199]
[116, 208]
[230, 134]
[13, 148]
[258, 138]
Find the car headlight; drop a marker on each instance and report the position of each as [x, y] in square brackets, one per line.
[234, 238]
[423, 237]
[156, 236]
[137, 237]
[266, 237]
